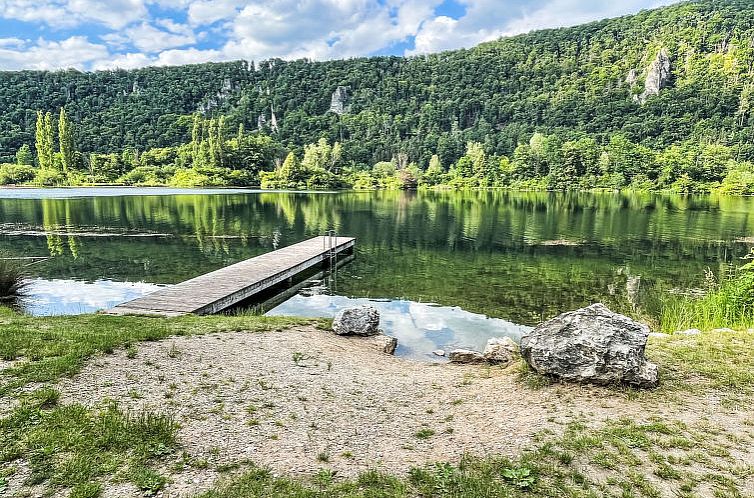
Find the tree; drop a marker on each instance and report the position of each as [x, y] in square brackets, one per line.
[24, 156]
[65, 139]
[196, 138]
[44, 140]
[291, 173]
[322, 156]
[435, 173]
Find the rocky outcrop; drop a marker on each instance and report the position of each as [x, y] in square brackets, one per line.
[357, 320]
[466, 356]
[658, 76]
[592, 345]
[339, 102]
[500, 350]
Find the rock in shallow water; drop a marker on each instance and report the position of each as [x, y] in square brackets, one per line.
[592, 344]
[357, 320]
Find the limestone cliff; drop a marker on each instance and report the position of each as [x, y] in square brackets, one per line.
[658, 76]
[339, 102]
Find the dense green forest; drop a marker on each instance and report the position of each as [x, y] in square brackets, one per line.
[661, 99]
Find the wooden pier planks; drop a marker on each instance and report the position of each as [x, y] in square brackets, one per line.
[220, 289]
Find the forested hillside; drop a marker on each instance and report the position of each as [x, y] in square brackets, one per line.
[673, 81]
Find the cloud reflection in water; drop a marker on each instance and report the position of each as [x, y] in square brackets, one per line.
[73, 297]
[419, 327]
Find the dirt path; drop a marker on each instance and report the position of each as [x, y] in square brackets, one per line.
[304, 399]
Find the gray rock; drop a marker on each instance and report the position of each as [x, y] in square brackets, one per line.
[658, 334]
[383, 343]
[339, 102]
[466, 356]
[438, 352]
[500, 350]
[689, 332]
[592, 345]
[724, 330]
[357, 320]
[658, 75]
[632, 76]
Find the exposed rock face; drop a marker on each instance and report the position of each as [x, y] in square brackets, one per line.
[466, 356]
[658, 75]
[593, 345]
[339, 102]
[500, 350]
[358, 320]
[632, 77]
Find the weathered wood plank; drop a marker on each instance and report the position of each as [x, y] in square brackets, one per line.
[220, 289]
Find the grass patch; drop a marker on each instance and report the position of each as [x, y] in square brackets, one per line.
[728, 303]
[71, 447]
[722, 361]
[58, 346]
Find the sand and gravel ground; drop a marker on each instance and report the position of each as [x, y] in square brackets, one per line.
[304, 399]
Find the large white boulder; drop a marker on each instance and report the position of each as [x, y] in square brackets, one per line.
[592, 345]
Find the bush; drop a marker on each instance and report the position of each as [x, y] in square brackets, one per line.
[12, 279]
[49, 178]
[144, 175]
[190, 178]
[738, 182]
[14, 174]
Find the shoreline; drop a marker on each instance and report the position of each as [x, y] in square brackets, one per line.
[303, 403]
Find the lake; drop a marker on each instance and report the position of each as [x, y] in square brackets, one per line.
[446, 269]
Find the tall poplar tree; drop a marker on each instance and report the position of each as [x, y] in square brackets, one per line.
[43, 140]
[49, 141]
[65, 136]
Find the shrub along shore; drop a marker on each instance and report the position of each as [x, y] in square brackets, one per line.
[218, 156]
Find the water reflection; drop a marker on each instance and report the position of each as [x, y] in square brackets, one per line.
[518, 256]
[419, 327]
[71, 297]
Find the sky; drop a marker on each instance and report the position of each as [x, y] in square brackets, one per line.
[108, 34]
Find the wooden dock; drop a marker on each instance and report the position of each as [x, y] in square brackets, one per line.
[223, 288]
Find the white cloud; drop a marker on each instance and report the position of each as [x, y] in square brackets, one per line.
[187, 56]
[324, 29]
[60, 13]
[74, 52]
[11, 42]
[151, 39]
[262, 29]
[209, 11]
[487, 20]
[124, 61]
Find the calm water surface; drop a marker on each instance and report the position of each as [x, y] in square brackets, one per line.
[446, 269]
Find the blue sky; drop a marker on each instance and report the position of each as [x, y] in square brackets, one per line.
[102, 34]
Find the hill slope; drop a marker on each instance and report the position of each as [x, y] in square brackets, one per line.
[588, 79]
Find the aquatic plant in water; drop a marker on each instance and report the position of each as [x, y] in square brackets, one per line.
[729, 303]
[12, 279]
